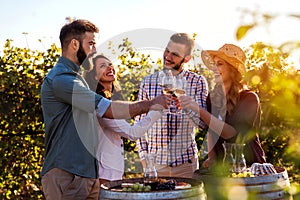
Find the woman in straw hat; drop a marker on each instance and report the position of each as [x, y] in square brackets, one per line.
[234, 111]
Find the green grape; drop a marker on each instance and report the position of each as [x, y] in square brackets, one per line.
[135, 187]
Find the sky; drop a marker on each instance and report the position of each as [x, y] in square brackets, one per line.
[214, 21]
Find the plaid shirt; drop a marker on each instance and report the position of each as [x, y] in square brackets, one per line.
[172, 137]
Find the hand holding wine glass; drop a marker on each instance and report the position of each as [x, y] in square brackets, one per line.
[188, 103]
[166, 80]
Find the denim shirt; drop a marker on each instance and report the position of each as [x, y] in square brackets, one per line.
[69, 110]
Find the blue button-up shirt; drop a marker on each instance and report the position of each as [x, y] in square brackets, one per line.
[69, 110]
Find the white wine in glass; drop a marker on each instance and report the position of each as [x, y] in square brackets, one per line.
[167, 82]
[179, 92]
[180, 88]
[167, 89]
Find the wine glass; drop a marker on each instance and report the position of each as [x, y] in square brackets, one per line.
[229, 158]
[167, 83]
[150, 174]
[180, 88]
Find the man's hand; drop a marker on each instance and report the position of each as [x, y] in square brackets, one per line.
[161, 102]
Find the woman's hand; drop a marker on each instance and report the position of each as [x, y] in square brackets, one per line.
[187, 102]
[209, 162]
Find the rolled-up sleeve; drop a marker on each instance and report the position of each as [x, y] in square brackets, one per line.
[102, 106]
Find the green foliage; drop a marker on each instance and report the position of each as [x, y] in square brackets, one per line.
[243, 30]
[278, 86]
[21, 74]
[21, 125]
[20, 166]
[132, 67]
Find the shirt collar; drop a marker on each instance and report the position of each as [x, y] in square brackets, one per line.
[67, 62]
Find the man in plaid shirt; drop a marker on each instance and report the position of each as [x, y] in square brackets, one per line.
[172, 138]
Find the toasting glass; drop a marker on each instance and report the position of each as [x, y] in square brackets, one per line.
[180, 88]
[167, 83]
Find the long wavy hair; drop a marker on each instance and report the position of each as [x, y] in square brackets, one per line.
[95, 85]
[223, 104]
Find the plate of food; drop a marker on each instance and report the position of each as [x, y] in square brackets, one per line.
[182, 185]
[171, 184]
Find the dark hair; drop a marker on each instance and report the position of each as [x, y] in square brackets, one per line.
[94, 84]
[75, 30]
[184, 38]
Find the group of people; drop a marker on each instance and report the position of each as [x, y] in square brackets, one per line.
[85, 115]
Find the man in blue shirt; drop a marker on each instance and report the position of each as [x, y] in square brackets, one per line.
[70, 111]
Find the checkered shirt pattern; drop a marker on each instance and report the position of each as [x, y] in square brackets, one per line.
[172, 138]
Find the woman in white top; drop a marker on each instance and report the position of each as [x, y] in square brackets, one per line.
[110, 154]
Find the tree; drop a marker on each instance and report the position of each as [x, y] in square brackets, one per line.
[278, 86]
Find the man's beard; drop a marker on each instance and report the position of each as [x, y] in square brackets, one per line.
[177, 66]
[81, 55]
[85, 60]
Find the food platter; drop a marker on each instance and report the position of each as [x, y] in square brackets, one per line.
[139, 186]
[185, 186]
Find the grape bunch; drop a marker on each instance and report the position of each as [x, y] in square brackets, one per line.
[242, 174]
[137, 187]
[168, 185]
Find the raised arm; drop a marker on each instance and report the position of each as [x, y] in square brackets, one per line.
[199, 93]
[133, 132]
[218, 126]
[128, 110]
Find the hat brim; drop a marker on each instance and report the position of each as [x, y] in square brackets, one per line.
[208, 61]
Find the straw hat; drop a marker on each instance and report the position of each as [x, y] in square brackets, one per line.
[231, 53]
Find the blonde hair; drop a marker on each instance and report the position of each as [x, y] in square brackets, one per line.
[233, 95]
